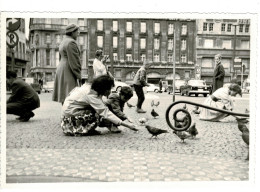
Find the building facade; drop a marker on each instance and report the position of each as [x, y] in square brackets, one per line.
[21, 53]
[228, 37]
[127, 42]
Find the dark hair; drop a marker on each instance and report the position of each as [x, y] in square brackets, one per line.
[102, 84]
[11, 74]
[235, 87]
[127, 92]
[99, 52]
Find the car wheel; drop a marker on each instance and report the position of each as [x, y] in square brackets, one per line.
[205, 95]
[196, 95]
[118, 89]
[187, 93]
[39, 92]
[182, 93]
[156, 90]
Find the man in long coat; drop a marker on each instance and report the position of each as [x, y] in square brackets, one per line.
[68, 74]
[218, 75]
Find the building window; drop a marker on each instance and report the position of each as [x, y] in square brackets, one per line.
[143, 27]
[183, 59]
[115, 57]
[48, 56]
[226, 44]
[143, 57]
[115, 40]
[156, 43]
[183, 29]
[170, 29]
[129, 26]
[64, 21]
[48, 38]
[156, 57]
[208, 43]
[58, 40]
[170, 58]
[247, 28]
[129, 42]
[57, 58]
[48, 22]
[170, 44]
[211, 26]
[229, 27]
[207, 63]
[81, 40]
[115, 25]
[128, 57]
[142, 43]
[223, 27]
[100, 25]
[205, 26]
[187, 74]
[100, 41]
[244, 44]
[183, 44]
[241, 27]
[81, 24]
[226, 63]
[156, 28]
[118, 73]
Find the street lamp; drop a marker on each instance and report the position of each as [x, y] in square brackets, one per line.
[173, 67]
[234, 48]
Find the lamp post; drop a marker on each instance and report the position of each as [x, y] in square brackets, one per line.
[234, 49]
[173, 67]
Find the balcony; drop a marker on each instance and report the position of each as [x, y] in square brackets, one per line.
[43, 26]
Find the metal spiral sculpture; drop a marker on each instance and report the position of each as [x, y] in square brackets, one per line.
[187, 119]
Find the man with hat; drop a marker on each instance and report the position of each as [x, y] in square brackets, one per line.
[68, 73]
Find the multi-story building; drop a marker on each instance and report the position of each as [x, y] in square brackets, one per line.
[127, 41]
[228, 37]
[21, 53]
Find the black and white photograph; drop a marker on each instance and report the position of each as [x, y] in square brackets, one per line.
[128, 98]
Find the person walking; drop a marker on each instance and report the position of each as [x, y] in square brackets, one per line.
[23, 99]
[218, 75]
[160, 86]
[139, 82]
[99, 64]
[68, 73]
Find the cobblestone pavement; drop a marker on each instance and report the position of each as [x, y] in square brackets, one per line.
[39, 148]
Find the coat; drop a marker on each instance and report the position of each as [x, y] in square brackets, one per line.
[140, 77]
[218, 77]
[68, 70]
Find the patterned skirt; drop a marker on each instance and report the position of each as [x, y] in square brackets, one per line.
[81, 124]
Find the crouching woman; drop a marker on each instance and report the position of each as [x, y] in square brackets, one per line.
[220, 99]
[83, 109]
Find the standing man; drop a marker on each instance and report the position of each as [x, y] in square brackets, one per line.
[99, 64]
[160, 85]
[68, 73]
[140, 82]
[23, 100]
[218, 75]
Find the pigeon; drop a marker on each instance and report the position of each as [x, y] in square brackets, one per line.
[241, 123]
[184, 106]
[182, 135]
[246, 111]
[196, 110]
[154, 114]
[242, 120]
[245, 137]
[241, 127]
[129, 105]
[142, 120]
[152, 103]
[157, 104]
[155, 131]
[193, 131]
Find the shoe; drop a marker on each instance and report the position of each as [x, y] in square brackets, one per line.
[93, 132]
[114, 129]
[26, 117]
[140, 111]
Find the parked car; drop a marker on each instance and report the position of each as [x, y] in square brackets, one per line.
[49, 86]
[35, 85]
[153, 88]
[118, 86]
[178, 84]
[195, 87]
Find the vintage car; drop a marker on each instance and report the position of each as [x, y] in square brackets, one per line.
[49, 86]
[195, 87]
[118, 86]
[178, 84]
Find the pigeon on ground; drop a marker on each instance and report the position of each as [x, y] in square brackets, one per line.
[241, 123]
[155, 131]
[157, 104]
[130, 105]
[196, 110]
[142, 120]
[245, 137]
[185, 106]
[152, 103]
[182, 135]
[193, 130]
[246, 111]
[154, 114]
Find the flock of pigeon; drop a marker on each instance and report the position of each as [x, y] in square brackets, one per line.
[192, 131]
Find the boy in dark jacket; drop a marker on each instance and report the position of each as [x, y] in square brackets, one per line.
[116, 102]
